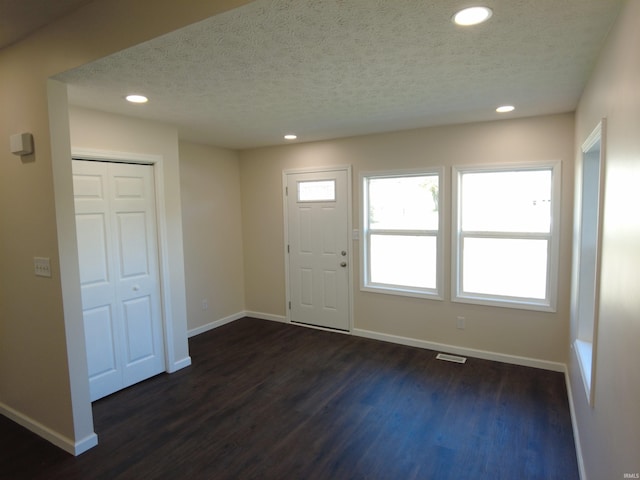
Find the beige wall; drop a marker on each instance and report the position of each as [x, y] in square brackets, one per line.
[609, 433]
[212, 230]
[37, 383]
[537, 335]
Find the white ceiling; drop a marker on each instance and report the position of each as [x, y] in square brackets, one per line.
[337, 68]
[18, 18]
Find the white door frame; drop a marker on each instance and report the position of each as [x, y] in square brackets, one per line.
[285, 209]
[155, 161]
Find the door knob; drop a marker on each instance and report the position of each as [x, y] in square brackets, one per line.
[343, 253]
[343, 264]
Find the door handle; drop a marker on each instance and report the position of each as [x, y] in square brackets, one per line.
[343, 264]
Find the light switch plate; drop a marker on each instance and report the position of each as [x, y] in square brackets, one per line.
[42, 266]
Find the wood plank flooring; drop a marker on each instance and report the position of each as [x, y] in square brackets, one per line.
[265, 400]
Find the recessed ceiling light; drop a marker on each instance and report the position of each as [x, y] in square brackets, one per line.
[136, 99]
[472, 16]
[290, 136]
[505, 109]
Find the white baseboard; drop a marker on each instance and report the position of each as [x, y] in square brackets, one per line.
[215, 324]
[469, 352]
[574, 425]
[59, 440]
[266, 316]
[232, 318]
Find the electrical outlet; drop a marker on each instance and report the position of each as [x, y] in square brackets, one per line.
[42, 266]
[205, 304]
[460, 322]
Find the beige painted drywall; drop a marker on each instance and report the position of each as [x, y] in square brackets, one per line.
[37, 383]
[523, 333]
[609, 433]
[212, 232]
[101, 132]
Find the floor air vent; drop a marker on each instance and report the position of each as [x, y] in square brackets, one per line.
[451, 358]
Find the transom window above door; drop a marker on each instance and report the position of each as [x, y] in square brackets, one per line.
[317, 191]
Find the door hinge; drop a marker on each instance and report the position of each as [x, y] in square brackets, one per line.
[289, 305]
[286, 191]
[288, 249]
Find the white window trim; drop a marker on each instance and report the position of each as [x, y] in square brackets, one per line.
[587, 351]
[545, 305]
[365, 284]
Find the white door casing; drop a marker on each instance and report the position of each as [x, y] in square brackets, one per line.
[119, 276]
[318, 253]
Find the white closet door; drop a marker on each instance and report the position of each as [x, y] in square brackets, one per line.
[117, 248]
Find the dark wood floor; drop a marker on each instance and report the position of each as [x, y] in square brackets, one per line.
[266, 400]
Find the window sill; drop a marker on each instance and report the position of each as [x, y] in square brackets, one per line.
[402, 292]
[504, 303]
[584, 353]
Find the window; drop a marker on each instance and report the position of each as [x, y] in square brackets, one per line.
[401, 229]
[586, 297]
[317, 191]
[505, 240]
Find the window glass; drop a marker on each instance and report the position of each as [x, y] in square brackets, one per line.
[505, 266]
[506, 201]
[317, 191]
[407, 203]
[404, 260]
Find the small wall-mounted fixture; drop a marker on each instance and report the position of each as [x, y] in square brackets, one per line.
[21, 144]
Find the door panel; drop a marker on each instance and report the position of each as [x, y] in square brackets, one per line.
[139, 329]
[99, 326]
[330, 290]
[92, 248]
[117, 250]
[133, 244]
[319, 248]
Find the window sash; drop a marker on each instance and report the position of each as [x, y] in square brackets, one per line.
[530, 299]
[398, 259]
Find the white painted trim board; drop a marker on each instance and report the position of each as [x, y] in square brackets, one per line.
[574, 426]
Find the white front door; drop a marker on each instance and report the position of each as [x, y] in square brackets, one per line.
[318, 248]
[119, 278]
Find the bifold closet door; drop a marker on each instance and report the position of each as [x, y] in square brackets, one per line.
[119, 277]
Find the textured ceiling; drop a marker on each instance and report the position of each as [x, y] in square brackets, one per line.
[336, 68]
[18, 18]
